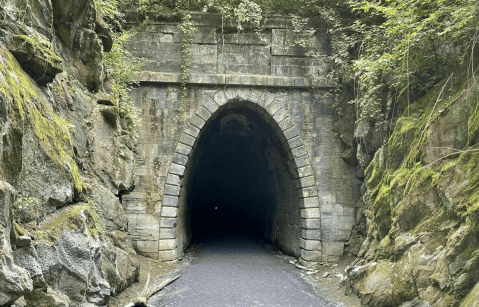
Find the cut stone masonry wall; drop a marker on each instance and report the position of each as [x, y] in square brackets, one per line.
[241, 70]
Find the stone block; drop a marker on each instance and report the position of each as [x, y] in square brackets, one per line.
[280, 116]
[147, 228]
[220, 98]
[295, 142]
[299, 151]
[268, 99]
[187, 139]
[136, 207]
[311, 223]
[169, 212]
[167, 233]
[311, 234]
[310, 202]
[306, 182]
[310, 213]
[170, 201]
[247, 38]
[177, 169]
[286, 124]
[314, 256]
[180, 159]
[243, 94]
[171, 190]
[305, 171]
[310, 245]
[167, 255]
[257, 97]
[291, 133]
[273, 108]
[197, 121]
[183, 149]
[308, 192]
[203, 113]
[166, 222]
[167, 244]
[230, 93]
[192, 130]
[211, 105]
[173, 179]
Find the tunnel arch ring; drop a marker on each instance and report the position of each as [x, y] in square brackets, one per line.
[285, 129]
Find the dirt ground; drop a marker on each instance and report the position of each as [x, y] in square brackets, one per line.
[325, 286]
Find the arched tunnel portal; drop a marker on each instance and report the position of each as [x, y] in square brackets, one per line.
[240, 182]
[241, 177]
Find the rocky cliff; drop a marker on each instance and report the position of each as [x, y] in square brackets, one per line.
[418, 216]
[66, 158]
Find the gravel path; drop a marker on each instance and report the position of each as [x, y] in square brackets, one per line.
[238, 271]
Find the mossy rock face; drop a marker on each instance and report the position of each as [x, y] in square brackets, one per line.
[36, 57]
[472, 299]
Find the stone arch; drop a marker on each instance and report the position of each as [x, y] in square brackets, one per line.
[299, 164]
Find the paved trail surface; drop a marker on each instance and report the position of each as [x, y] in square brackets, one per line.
[238, 271]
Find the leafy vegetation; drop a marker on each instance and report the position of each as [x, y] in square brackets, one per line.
[120, 65]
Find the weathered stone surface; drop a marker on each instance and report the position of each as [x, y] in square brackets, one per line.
[77, 24]
[36, 57]
[14, 280]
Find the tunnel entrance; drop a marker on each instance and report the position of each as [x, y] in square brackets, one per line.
[238, 182]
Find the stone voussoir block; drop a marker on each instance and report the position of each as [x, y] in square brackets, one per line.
[170, 201]
[211, 105]
[295, 142]
[203, 113]
[180, 159]
[286, 124]
[291, 133]
[166, 222]
[169, 212]
[220, 98]
[299, 151]
[243, 94]
[310, 202]
[171, 190]
[308, 192]
[310, 213]
[173, 179]
[307, 182]
[192, 130]
[197, 121]
[305, 171]
[273, 108]
[280, 116]
[177, 169]
[187, 139]
[230, 93]
[183, 149]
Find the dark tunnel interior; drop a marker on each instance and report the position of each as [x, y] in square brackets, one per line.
[237, 177]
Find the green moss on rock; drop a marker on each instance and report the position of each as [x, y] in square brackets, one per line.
[29, 106]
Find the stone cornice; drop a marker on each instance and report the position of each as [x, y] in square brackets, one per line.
[235, 80]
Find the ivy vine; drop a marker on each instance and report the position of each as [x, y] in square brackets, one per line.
[188, 28]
